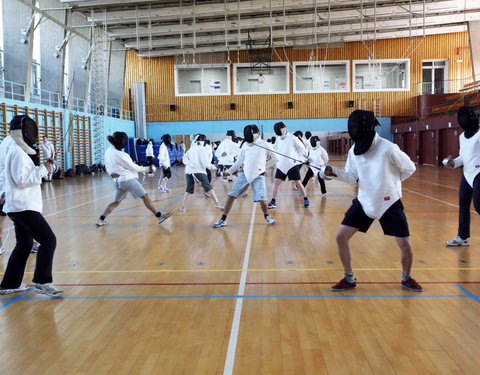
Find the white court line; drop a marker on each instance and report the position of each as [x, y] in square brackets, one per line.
[434, 183]
[232, 343]
[435, 199]
[77, 191]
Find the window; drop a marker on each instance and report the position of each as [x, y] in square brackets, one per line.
[35, 78]
[381, 75]
[250, 80]
[202, 80]
[321, 76]
[434, 77]
[2, 70]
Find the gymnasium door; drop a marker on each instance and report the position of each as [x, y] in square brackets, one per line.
[410, 145]
[427, 149]
[397, 139]
[449, 143]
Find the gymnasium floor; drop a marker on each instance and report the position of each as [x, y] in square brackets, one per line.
[184, 298]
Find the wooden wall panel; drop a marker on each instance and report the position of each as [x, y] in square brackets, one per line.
[158, 74]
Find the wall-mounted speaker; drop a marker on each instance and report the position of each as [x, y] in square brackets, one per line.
[290, 105]
[351, 103]
[173, 107]
[233, 106]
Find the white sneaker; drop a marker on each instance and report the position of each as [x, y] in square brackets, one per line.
[219, 206]
[458, 241]
[2, 250]
[48, 289]
[220, 223]
[164, 217]
[183, 209]
[270, 220]
[206, 195]
[101, 223]
[21, 288]
[35, 247]
[324, 194]
[167, 190]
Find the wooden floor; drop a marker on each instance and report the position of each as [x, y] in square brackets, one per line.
[184, 298]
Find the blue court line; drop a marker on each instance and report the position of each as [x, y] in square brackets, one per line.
[12, 300]
[468, 293]
[261, 296]
[160, 208]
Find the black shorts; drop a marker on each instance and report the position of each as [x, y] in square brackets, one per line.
[293, 174]
[393, 221]
[1, 210]
[167, 172]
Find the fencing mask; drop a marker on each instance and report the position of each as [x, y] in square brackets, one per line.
[231, 134]
[119, 140]
[468, 119]
[251, 133]
[315, 141]
[24, 131]
[280, 128]
[308, 134]
[167, 139]
[361, 127]
[298, 134]
[201, 139]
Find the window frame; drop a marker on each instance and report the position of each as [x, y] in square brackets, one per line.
[36, 84]
[381, 61]
[202, 67]
[248, 65]
[326, 62]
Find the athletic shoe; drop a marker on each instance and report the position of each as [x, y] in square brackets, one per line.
[2, 250]
[219, 206]
[48, 289]
[21, 288]
[162, 189]
[220, 223]
[306, 203]
[324, 194]
[164, 217]
[343, 285]
[458, 241]
[272, 204]
[270, 220]
[244, 195]
[412, 285]
[101, 223]
[206, 195]
[183, 209]
[295, 187]
[167, 190]
[35, 247]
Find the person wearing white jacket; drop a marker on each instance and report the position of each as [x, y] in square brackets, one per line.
[4, 146]
[256, 155]
[469, 158]
[378, 167]
[48, 150]
[227, 151]
[23, 204]
[164, 162]
[317, 157]
[292, 153]
[124, 171]
[197, 161]
[150, 155]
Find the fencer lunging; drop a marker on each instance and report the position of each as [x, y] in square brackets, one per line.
[124, 171]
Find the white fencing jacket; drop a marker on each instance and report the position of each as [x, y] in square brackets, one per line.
[4, 146]
[379, 173]
[164, 156]
[255, 160]
[317, 157]
[149, 151]
[292, 147]
[121, 163]
[197, 159]
[469, 156]
[230, 148]
[48, 150]
[22, 182]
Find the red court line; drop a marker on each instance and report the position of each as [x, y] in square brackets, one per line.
[268, 283]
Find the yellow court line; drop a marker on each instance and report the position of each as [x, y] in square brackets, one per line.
[265, 270]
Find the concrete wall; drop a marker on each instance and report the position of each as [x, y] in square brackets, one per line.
[78, 49]
[15, 17]
[51, 35]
